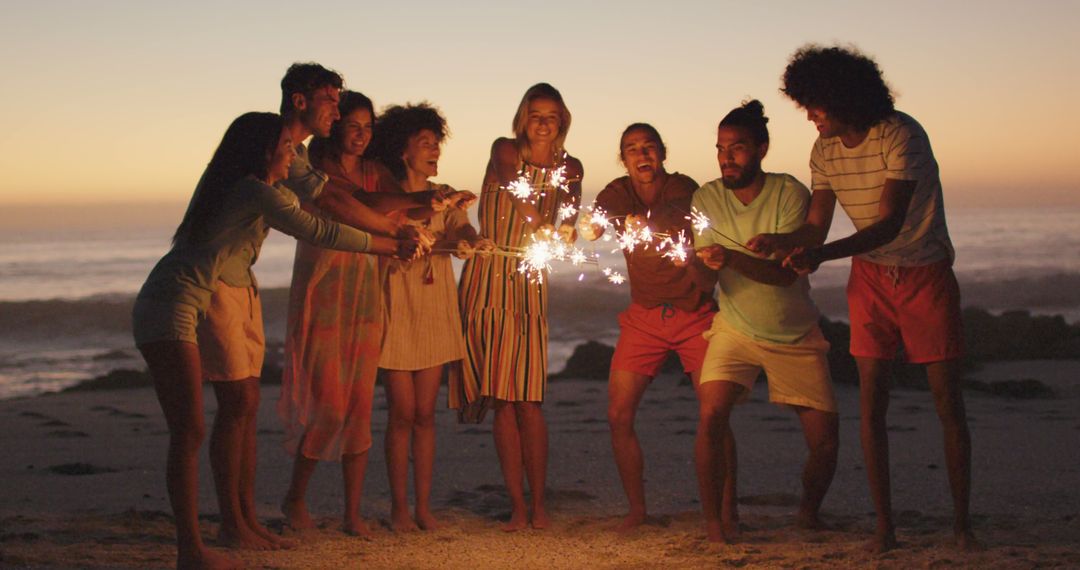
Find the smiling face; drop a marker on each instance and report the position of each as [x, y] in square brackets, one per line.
[421, 154]
[319, 110]
[356, 132]
[544, 121]
[642, 155]
[277, 167]
[826, 125]
[739, 156]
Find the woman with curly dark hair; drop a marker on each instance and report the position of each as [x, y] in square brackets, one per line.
[421, 318]
[877, 162]
[334, 324]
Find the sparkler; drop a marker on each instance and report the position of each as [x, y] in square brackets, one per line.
[701, 222]
[545, 248]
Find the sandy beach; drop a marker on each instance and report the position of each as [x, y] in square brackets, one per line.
[84, 486]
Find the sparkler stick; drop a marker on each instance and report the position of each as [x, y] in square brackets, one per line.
[701, 222]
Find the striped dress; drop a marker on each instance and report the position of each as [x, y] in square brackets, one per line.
[421, 323]
[332, 340]
[504, 313]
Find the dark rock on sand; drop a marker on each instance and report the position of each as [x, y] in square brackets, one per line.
[1026, 389]
[79, 469]
[120, 379]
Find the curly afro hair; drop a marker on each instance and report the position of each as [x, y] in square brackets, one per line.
[845, 83]
[396, 125]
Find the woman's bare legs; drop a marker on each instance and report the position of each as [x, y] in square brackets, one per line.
[238, 404]
[426, 390]
[177, 374]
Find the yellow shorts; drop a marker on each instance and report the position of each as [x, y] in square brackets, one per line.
[798, 374]
[231, 338]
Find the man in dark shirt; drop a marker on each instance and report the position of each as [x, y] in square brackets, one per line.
[670, 307]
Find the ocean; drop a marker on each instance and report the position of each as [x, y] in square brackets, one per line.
[65, 289]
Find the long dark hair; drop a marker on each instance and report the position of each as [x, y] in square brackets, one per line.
[321, 149]
[396, 126]
[245, 150]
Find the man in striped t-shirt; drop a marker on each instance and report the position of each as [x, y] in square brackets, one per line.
[878, 164]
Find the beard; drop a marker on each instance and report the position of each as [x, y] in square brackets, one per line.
[746, 176]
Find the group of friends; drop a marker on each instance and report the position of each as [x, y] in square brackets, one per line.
[373, 289]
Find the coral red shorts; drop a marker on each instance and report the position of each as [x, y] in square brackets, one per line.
[647, 335]
[914, 307]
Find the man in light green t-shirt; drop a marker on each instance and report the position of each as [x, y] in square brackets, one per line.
[766, 322]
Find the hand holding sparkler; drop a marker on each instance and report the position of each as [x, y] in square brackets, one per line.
[803, 261]
[715, 256]
[461, 199]
[423, 236]
[463, 249]
[768, 245]
[407, 249]
[567, 233]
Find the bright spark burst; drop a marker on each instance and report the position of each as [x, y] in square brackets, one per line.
[616, 278]
[536, 258]
[567, 211]
[699, 220]
[676, 248]
[521, 189]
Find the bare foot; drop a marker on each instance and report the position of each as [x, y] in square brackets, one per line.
[630, 522]
[967, 542]
[809, 521]
[518, 521]
[206, 559]
[356, 527]
[882, 542]
[426, 521]
[540, 518]
[714, 530]
[400, 521]
[243, 539]
[731, 529]
[296, 514]
[264, 533]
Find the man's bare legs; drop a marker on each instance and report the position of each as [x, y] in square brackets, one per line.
[822, 433]
[238, 404]
[521, 440]
[412, 396]
[177, 374]
[714, 455]
[625, 390]
[945, 384]
[873, 407]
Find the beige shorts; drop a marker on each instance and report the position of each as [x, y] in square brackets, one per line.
[798, 374]
[231, 338]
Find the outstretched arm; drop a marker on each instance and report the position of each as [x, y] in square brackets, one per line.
[892, 210]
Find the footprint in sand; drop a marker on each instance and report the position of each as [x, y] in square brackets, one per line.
[34, 415]
[901, 429]
[567, 404]
[55, 423]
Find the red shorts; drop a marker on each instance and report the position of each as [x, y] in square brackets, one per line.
[647, 335]
[914, 307]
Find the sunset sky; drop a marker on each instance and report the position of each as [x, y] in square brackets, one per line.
[124, 101]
